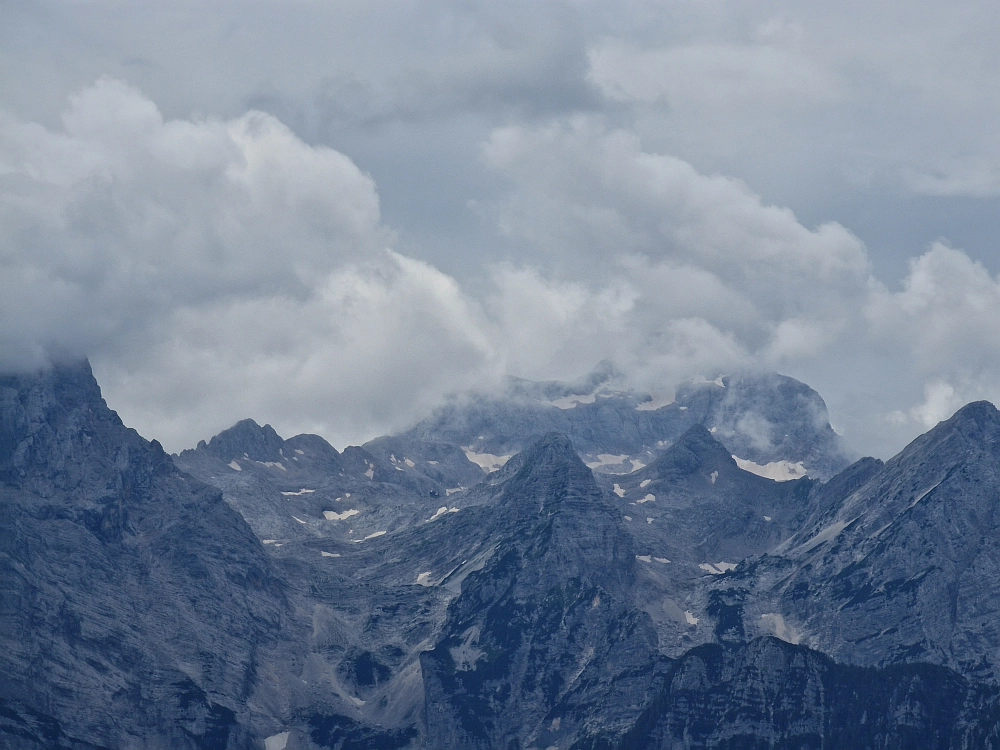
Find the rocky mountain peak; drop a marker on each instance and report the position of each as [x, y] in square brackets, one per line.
[57, 431]
[696, 450]
[247, 438]
[978, 422]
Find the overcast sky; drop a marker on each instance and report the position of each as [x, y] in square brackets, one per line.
[329, 215]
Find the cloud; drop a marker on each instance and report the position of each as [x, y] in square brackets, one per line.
[590, 198]
[220, 268]
[216, 268]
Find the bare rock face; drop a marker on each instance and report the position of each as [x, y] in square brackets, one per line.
[262, 592]
[547, 625]
[136, 605]
[906, 567]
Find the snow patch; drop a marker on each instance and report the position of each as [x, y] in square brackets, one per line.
[441, 511]
[691, 619]
[409, 462]
[648, 519]
[767, 518]
[571, 402]
[644, 558]
[299, 520]
[487, 461]
[331, 515]
[300, 452]
[637, 464]
[276, 741]
[656, 402]
[235, 466]
[714, 476]
[628, 518]
[717, 569]
[268, 541]
[779, 471]
[373, 536]
[619, 491]
[775, 625]
[330, 554]
[300, 492]
[371, 471]
[648, 499]
[661, 560]
[272, 465]
[452, 491]
[607, 459]
[644, 483]
[433, 463]
[424, 579]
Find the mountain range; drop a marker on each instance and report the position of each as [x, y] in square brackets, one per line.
[558, 565]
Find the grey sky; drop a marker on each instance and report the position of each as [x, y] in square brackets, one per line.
[683, 187]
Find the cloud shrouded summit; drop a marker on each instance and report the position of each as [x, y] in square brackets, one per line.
[215, 269]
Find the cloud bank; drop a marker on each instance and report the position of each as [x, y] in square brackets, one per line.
[215, 269]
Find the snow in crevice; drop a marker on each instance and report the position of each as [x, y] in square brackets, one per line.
[779, 471]
[441, 511]
[488, 462]
[924, 494]
[824, 535]
[331, 515]
[300, 492]
[717, 569]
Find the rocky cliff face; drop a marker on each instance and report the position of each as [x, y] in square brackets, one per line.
[906, 567]
[137, 607]
[548, 624]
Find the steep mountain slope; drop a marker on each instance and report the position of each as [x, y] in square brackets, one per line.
[549, 612]
[905, 567]
[137, 607]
